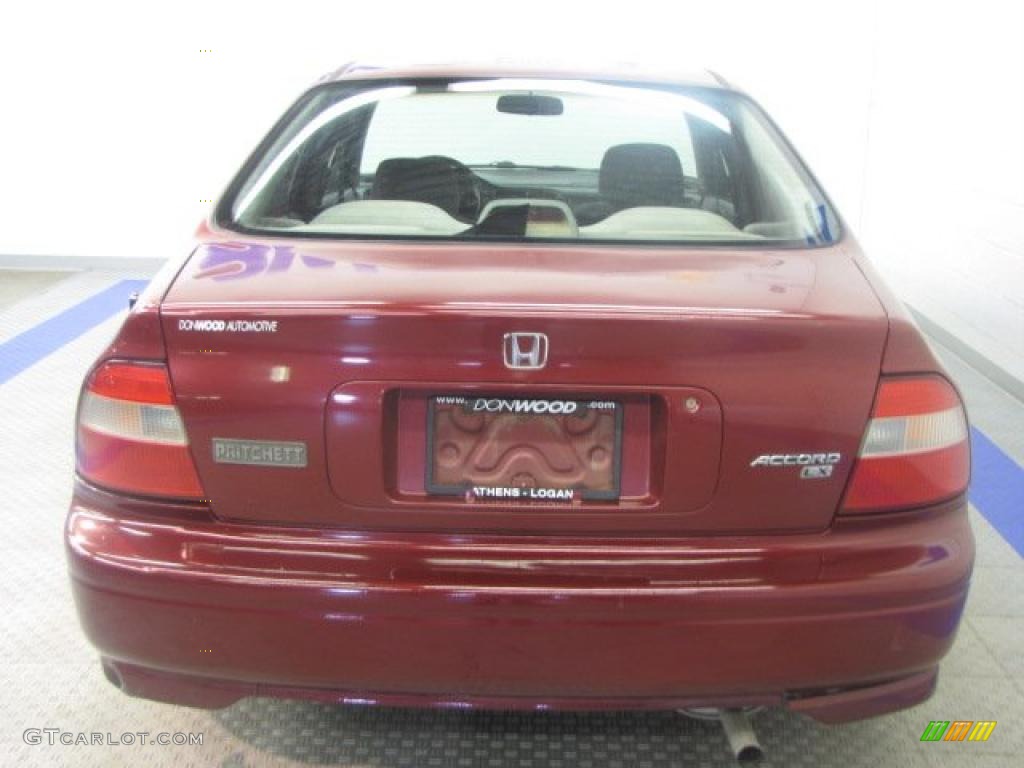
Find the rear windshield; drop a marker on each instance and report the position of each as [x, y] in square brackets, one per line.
[529, 159]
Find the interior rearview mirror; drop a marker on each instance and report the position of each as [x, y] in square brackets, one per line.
[529, 104]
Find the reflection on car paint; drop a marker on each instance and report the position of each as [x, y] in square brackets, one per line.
[233, 261]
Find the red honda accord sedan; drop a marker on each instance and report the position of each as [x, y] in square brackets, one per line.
[495, 387]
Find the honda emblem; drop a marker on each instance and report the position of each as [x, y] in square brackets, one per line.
[526, 351]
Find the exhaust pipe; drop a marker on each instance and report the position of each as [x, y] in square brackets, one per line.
[738, 730]
[740, 733]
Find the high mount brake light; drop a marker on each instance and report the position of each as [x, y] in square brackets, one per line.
[130, 434]
[915, 449]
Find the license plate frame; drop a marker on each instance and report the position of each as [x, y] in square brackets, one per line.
[610, 488]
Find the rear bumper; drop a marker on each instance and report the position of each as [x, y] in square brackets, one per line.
[843, 624]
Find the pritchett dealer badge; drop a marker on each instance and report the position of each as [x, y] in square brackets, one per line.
[265, 453]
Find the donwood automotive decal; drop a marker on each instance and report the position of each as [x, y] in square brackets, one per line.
[211, 325]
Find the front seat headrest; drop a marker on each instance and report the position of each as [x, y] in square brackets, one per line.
[641, 174]
[432, 180]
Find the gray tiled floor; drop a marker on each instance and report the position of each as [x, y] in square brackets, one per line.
[51, 679]
[17, 284]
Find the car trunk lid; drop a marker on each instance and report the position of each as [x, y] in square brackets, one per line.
[732, 372]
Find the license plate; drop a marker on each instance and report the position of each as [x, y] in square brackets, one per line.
[523, 448]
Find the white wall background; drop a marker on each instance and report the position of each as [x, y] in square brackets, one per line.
[116, 127]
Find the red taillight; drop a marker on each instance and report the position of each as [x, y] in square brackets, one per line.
[915, 449]
[132, 382]
[130, 434]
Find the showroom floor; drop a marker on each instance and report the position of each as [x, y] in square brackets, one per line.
[52, 325]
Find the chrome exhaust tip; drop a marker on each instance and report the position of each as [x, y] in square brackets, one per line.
[739, 731]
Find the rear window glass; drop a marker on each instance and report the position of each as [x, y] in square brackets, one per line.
[529, 159]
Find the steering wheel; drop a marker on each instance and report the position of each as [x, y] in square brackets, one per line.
[470, 200]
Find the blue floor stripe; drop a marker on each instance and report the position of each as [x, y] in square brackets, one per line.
[997, 489]
[28, 348]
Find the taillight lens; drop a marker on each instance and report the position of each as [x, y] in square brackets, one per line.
[130, 434]
[915, 449]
